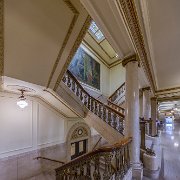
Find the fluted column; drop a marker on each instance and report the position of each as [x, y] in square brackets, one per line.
[154, 115]
[146, 103]
[132, 128]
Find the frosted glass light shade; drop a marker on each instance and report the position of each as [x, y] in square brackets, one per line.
[22, 104]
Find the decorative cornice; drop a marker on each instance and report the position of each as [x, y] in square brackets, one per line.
[168, 89]
[74, 49]
[146, 89]
[71, 26]
[129, 59]
[1, 38]
[172, 98]
[127, 7]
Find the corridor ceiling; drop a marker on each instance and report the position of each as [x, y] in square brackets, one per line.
[150, 28]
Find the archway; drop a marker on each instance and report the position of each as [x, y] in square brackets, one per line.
[78, 140]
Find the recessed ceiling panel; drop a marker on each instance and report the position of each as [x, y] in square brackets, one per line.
[34, 33]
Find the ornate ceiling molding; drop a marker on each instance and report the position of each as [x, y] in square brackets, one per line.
[168, 89]
[73, 50]
[68, 34]
[1, 38]
[128, 10]
[172, 98]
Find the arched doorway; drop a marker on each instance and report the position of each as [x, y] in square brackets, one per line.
[79, 140]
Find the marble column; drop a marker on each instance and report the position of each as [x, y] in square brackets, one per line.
[146, 103]
[154, 115]
[132, 128]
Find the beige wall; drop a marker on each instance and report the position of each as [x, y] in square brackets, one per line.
[33, 127]
[117, 77]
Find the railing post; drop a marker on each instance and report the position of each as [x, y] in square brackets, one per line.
[142, 128]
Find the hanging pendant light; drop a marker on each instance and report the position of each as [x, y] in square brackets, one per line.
[22, 100]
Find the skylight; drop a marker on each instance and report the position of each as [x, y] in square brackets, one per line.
[96, 32]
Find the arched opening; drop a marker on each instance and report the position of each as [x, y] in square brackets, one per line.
[79, 140]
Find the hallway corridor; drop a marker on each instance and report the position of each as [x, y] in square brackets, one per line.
[170, 142]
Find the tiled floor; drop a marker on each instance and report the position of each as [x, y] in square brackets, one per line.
[170, 142]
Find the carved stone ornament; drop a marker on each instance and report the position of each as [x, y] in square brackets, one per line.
[79, 133]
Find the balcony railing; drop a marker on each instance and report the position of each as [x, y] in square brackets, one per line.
[111, 116]
[116, 107]
[119, 93]
[116, 164]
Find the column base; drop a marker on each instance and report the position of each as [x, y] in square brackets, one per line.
[137, 171]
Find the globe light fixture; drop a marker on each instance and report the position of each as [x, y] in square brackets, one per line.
[22, 100]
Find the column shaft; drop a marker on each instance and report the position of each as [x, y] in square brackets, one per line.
[132, 110]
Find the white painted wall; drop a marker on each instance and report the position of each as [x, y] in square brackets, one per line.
[117, 77]
[34, 127]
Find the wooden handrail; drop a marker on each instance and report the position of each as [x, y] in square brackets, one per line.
[96, 144]
[116, 90]
[53, 160]
[110, 148]
[118, 107]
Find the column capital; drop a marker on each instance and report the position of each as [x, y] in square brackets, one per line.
[146, 88]
[131, 58]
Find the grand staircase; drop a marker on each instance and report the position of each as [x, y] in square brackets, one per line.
[111, 162]
[105, 119]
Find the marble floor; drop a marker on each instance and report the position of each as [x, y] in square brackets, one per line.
[170, 145]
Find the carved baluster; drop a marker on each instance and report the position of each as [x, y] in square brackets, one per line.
[69, 81]
[109, 116]
[128, 156]
[96, 174]
[82, 170]
[114, 122]
[104, 113]
[64, 78]
[108, 168]
[85, 100]
[88, 170]
[96, 109]
[77, 90]
[118, 165]
[89, 103]
[92, 104]
[81, 95]
[100, 110]
[125, 159]
[73, 86]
